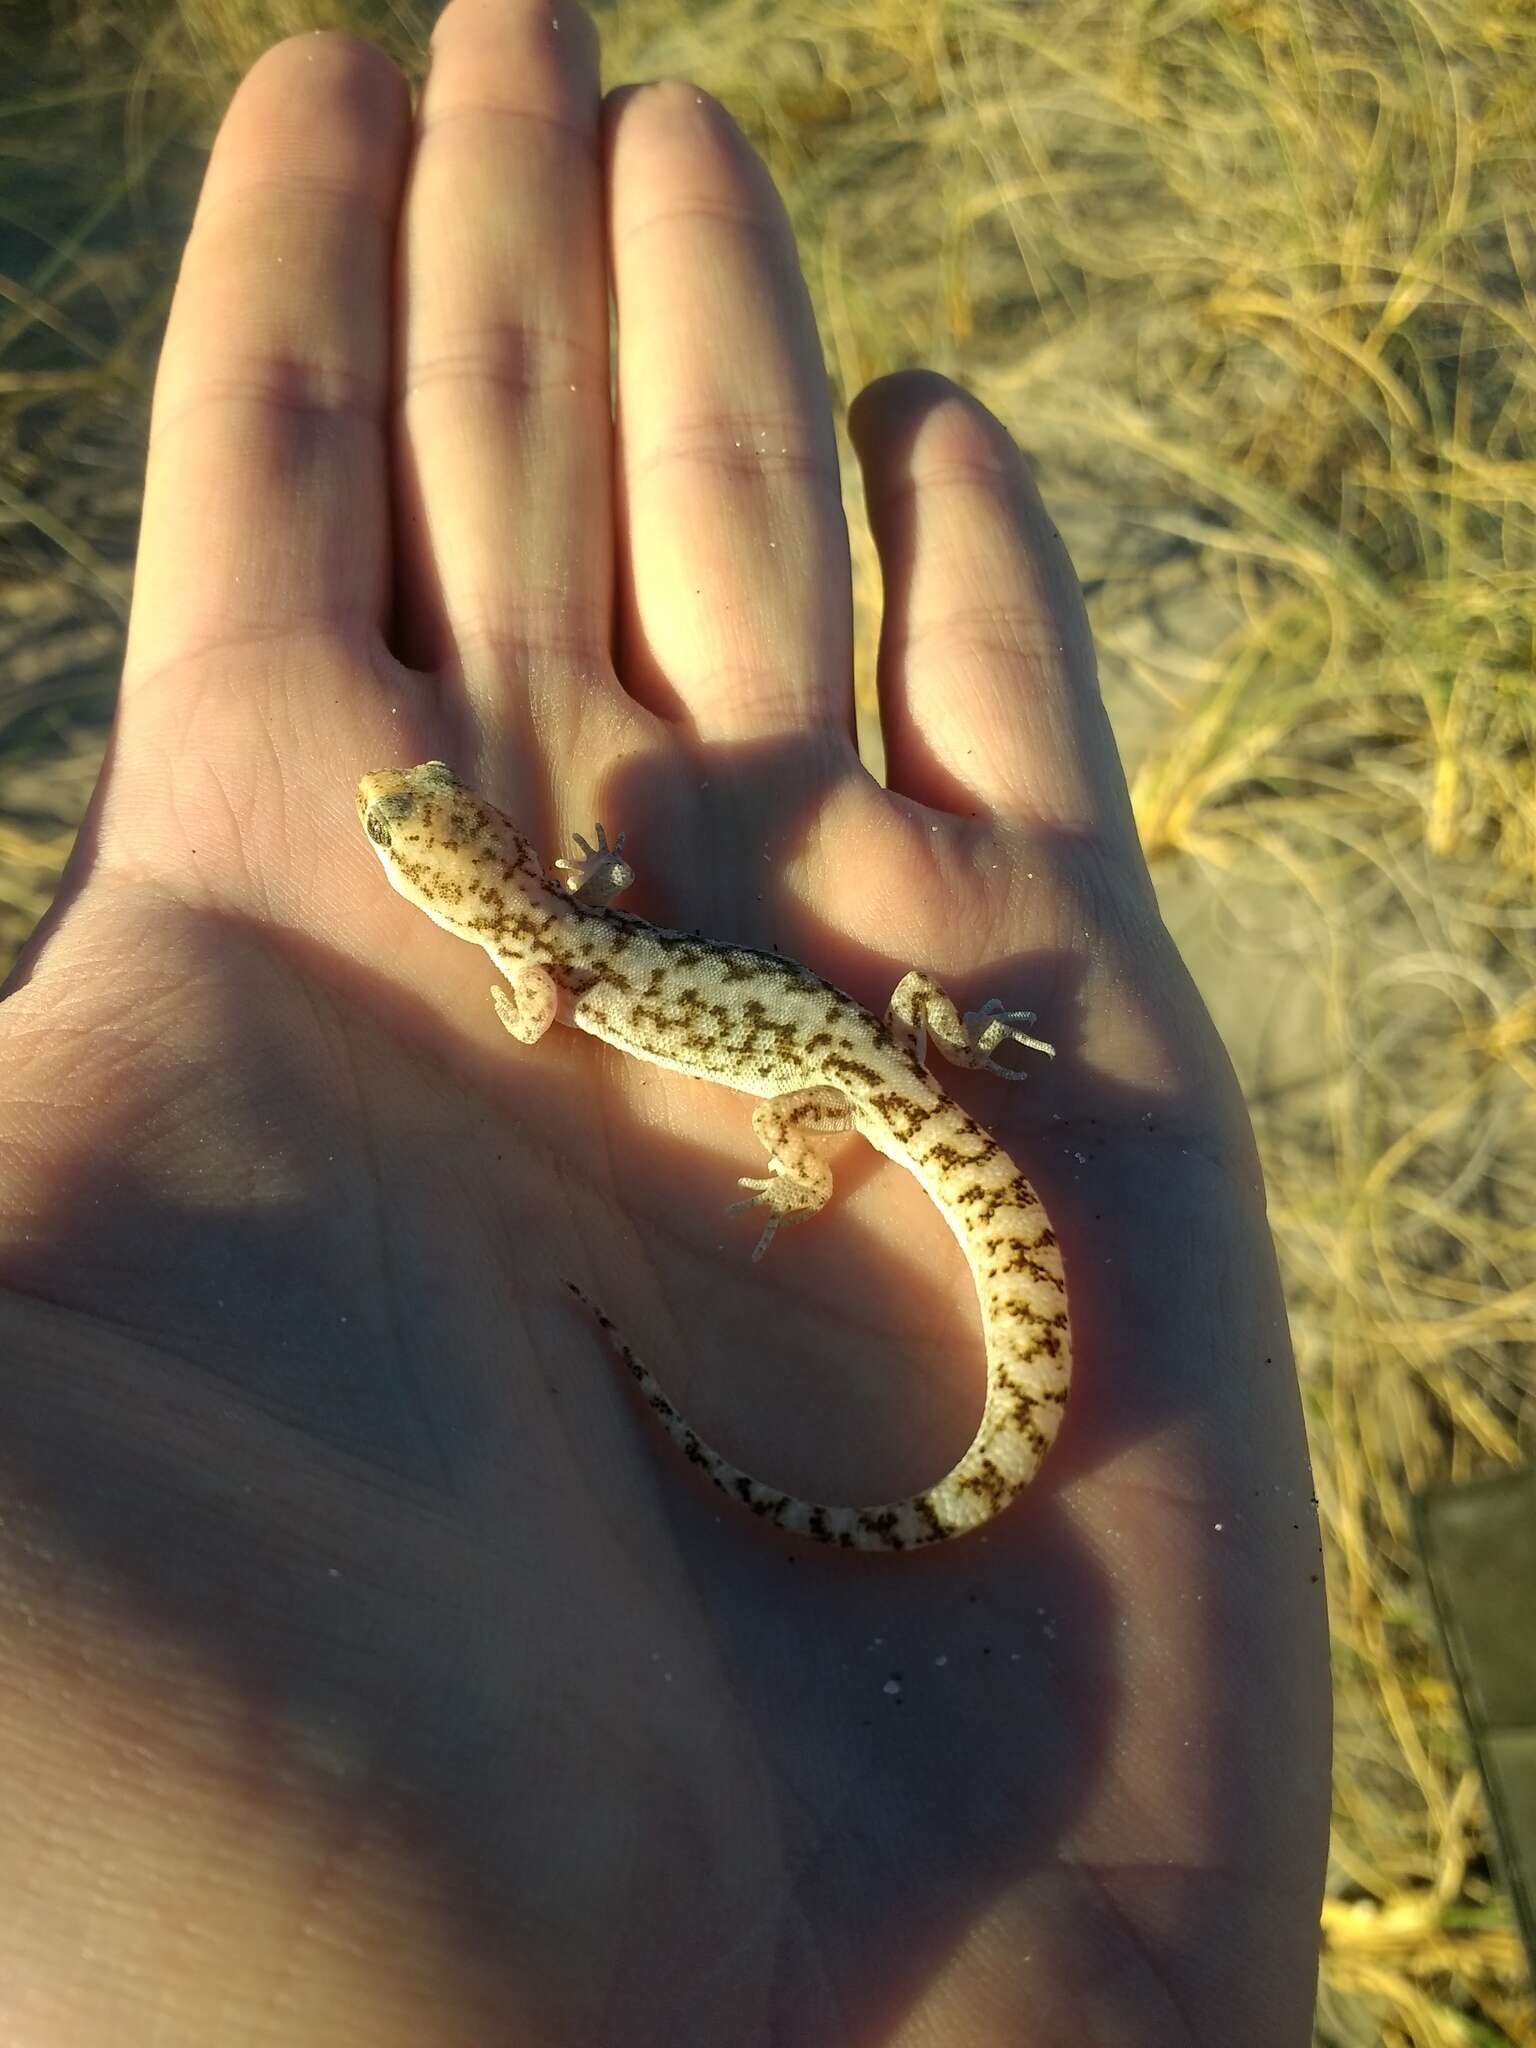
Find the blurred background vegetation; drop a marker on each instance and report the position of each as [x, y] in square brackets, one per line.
[1251, 280]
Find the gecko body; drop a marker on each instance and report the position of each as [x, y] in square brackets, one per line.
[817, 1061]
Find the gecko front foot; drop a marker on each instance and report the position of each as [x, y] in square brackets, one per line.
[920, 1011]
[601, 874]
[986, 1029]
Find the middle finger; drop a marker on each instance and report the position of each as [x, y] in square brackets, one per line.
[734, 591]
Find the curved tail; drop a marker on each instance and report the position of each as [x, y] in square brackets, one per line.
[1012, 1252]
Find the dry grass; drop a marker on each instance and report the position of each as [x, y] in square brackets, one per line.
[1253, 281]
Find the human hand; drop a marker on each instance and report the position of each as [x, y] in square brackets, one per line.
[380, 1672]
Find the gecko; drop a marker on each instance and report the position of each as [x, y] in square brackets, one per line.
[818, 1062]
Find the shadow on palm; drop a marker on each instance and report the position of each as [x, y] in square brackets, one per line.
[378, 1477]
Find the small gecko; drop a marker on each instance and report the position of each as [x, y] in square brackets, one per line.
[821, 1064]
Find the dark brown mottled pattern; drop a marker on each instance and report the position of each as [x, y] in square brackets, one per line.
[678, 1001]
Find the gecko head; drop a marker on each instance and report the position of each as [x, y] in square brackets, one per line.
[393, 797]
[443, 848]
[427, 828]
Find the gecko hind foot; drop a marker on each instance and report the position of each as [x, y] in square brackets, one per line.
[786, 1200]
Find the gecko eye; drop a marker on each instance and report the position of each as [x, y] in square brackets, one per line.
[376, 829]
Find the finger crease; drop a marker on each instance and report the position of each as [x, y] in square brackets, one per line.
[740, 459]
[583, 133]
[273, 196]
[279, 385]
[696, 210]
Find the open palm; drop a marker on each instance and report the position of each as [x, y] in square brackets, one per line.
[382, 1673]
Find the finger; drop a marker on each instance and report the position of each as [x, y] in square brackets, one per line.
[264, 499]
[734, 594]
[988, 691]
[506, 540]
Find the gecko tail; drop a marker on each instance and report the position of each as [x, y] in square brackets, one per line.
[989, 1475]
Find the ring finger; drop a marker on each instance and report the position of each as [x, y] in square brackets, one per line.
[504, 440]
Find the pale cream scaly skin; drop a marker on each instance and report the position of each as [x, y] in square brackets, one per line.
[820, 1061]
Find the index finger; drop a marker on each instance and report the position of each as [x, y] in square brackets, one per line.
[989, 690]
